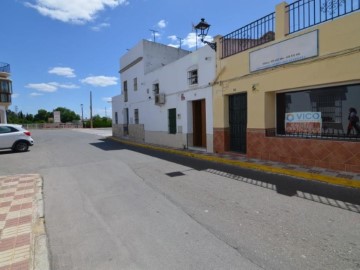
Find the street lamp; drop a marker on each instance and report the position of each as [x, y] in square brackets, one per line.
[204, 27]
[82, 115]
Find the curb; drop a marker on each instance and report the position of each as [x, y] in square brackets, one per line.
[40, 253]
[248, 165]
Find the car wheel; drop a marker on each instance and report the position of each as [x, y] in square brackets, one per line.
[21, 147]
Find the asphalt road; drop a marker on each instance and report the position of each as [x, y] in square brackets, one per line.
[109, 206]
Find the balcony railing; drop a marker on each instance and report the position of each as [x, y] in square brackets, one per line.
[249, 36]
[306, 13]
[4, 67]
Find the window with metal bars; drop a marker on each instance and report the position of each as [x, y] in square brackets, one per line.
[125, 89]
[193, 77]
[136, 116]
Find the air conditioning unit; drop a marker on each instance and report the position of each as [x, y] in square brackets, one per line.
[160, 98]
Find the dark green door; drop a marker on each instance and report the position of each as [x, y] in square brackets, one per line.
[238, 122]
[172, 121]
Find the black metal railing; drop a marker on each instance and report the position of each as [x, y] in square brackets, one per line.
[306, 13]
[249, 36]
[324, 135]
[4, 67]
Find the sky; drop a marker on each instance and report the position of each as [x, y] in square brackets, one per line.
[60, 50]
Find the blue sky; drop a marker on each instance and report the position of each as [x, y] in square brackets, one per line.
[60, 50]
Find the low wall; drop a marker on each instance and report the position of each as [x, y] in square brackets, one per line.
[330, 154]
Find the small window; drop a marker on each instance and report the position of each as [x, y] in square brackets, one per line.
[193, 77]
[136, 116]
[172, 121]
[116, 118]
[135, 84]
[125, 91]
[156, 88]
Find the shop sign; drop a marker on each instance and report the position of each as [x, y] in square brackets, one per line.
[290, 50]
[303, 122]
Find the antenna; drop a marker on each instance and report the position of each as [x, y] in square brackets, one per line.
[180, 39]
[153, 33]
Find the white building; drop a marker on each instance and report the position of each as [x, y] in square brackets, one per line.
[166, 96]
[5, 91]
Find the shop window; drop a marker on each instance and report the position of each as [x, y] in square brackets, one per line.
[319, 112]
[172, 121]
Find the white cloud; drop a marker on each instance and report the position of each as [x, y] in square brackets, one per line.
[50, 87]
[100, 26]
[162, 24]
[35, 94]
[172, 38]
[15, 95]
[73, 11]
[42, 87]
[101, 81]
[107, 99]
[189, 41]
[63, 71]
[66, 86]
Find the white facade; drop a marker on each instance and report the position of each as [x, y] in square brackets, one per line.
[5, 91]
[184, 83]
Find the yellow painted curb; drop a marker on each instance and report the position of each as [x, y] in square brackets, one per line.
[248, 165]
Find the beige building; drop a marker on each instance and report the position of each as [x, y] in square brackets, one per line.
[5, 91]
[285, 84]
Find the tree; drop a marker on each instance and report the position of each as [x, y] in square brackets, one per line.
[67, 115]
[42, 116]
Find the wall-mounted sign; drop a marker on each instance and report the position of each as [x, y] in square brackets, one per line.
[303, 122]
[290, 50]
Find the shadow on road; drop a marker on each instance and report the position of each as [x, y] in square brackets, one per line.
[320, 192]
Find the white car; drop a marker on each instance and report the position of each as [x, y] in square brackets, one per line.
[15, 137]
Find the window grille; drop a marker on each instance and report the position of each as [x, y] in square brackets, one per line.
[136, 116]
[156, 88]
[135, 84]
[125, 91]
[193, 77]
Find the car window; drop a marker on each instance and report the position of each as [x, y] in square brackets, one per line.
[7, 129]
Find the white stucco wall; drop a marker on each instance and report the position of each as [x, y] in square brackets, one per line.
[3, 118]
[173, 81]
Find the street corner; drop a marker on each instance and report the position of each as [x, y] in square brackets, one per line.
[23, 241]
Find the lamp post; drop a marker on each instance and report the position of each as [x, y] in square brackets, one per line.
[82, 115]
[91, 118]
[204, 27]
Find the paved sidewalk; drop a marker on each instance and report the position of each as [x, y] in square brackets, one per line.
[341, 178]
[22, 233]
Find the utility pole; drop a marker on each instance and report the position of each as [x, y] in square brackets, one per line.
[82, 115]
[91, 118]
[180, 39]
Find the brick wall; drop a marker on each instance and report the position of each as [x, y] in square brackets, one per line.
[330, 154]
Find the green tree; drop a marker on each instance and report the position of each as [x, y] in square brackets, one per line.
[67, 115]
[42, 116]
